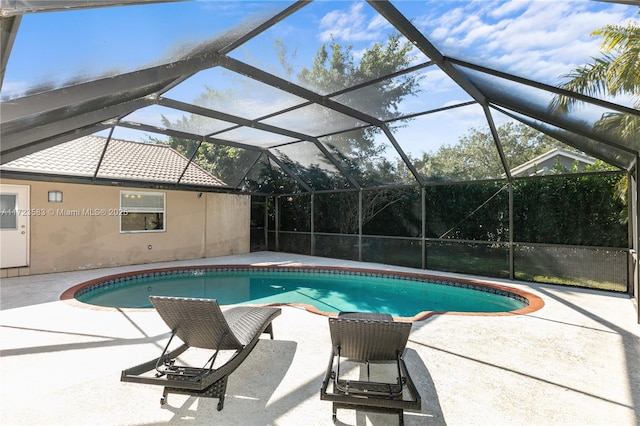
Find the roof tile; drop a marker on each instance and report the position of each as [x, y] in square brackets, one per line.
[122, 160]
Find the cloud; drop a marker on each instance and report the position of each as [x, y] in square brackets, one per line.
[14, 89]
[534, 39]
[507, 8]
[352, 25]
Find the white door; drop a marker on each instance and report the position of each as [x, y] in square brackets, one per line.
[14, 226]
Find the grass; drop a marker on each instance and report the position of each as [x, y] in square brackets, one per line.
[493, 266]
[571, 281]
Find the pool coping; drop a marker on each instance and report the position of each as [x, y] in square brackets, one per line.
[535, 303]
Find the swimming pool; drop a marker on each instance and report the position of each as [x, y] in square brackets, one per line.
[318, 289]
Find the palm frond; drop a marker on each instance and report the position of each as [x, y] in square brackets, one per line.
[623, 127]
[589, 79]
[617, 37]
[622, 45]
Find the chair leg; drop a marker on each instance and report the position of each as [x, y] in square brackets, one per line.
[269, 330]
[401, 417]
[335, 413]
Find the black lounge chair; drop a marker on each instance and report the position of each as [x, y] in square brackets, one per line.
[200, 323]
[365, 339]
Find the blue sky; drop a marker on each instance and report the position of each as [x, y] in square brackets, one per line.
[535, 39]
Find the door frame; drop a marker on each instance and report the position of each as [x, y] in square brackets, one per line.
[23, 218]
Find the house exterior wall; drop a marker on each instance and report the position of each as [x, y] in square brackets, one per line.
[549, 164]
[83, 231]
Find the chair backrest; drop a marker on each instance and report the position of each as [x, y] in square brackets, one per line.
[369, 340]
[199, 323]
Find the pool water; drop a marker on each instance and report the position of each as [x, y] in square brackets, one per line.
[327, 292]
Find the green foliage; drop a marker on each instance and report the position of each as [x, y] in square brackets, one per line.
[226, 162]
[616, 72]
[579, 210]
[335, 68]
[475, 156]
[472, 211]
[336, 212]
[295, 213]
[400, 217]
[575, 210]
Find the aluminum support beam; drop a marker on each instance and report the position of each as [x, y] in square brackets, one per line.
[277, 222]
[402, 24]
[402, 154]
[294, 89]
[35, 135]
[512, 267]
[8, 30]
[288, 171]
[360, 225]
[579, 133]
[256, 124]
[313, 225]
[552, 89]
[27, 149]
[134, 82]
[186, 135]
[496, 141]
[21, 7]
[423, 240]
[264, 26]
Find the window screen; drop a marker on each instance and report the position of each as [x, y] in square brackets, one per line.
[142, 211]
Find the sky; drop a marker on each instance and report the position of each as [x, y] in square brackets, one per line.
[541, 40]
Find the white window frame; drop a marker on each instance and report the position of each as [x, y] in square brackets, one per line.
[125, 210]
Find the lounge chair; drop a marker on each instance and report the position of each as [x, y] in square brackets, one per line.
[367, 339]
[200, 323]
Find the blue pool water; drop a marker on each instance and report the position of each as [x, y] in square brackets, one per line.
[327, 291]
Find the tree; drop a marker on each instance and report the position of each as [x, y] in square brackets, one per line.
[335, 68]
[616, 72]
[475, 156]
[576, 210]
[226, 162]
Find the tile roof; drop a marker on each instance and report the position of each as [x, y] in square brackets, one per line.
[122, 160]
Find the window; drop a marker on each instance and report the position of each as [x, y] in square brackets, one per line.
[8, 218]
[142, 211]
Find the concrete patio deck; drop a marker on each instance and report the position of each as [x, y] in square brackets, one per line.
[574, 362]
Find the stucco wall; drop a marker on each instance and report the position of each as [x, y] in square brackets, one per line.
[227, 225]
[68, 238]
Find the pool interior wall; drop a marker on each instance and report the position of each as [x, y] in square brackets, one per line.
[522, 302]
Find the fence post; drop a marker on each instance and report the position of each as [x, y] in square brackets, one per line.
[277, 222]
[360, 225]
[266, 223]
[423, 241]
[313, 222]
[512, 269]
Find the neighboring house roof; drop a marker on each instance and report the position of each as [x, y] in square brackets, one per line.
[547, 161]
[122, 160]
